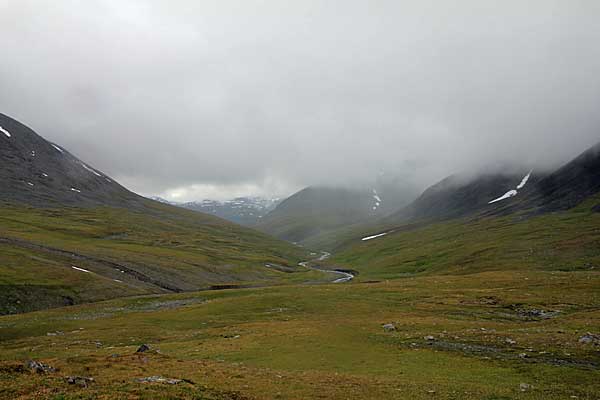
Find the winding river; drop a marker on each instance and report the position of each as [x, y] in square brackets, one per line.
[345, 276]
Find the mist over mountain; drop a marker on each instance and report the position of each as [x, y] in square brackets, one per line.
[221, 100]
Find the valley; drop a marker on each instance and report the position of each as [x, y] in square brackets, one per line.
[456, 295]
[299, 200]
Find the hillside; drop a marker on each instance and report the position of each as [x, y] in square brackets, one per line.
[488, 219]
[71, 234]
[495, 309]
[318, 210]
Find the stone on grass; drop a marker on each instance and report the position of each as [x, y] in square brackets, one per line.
[82, 381]
[143, 348]
[389, 327]
[525, 387]
[39, 367]
[589, 338]
[160, 379]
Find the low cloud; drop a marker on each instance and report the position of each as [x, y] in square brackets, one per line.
[193, 99]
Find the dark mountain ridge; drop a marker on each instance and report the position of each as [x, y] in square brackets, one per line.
[40, 173]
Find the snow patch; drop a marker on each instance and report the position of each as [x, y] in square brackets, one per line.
[80, 269]
[45, 175]
[524, 181]
[91, 170]
[507, 195]
[513, 192]
[58, 148]
[374, 236]
[75, 190]
[7, 133]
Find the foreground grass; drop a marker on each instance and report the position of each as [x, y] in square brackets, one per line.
[298, 342]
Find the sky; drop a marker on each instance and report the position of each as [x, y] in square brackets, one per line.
[194, 99]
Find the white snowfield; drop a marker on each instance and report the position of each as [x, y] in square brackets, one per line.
[7, 133]
[374, 236]
[524, 181]
[57, 148]
[513, 192]
[80, 269]
[91, 170]
[507, 195]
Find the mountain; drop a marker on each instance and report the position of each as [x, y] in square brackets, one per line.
[70, 234]
[491, 222]
[247, 211]
[459, 196]
[564, 188]
[37, 172]
[319, 209]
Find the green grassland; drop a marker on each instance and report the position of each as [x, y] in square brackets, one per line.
[164, 250]
[565, 241]
[483, 309]
[325, 341]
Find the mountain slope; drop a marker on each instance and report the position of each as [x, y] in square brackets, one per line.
[566, 187]
[70, 234]
[317, 210]
[37, 172]
[458, 196]
[548, 221]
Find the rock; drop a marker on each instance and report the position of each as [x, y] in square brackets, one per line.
[39, 367]
[82, 381]
[143, 348]
[525, 387]
[536, 314]
[510, 341]
[524, 355]
[429, 338]
[389, 327]
[160, 379]
[589, 338]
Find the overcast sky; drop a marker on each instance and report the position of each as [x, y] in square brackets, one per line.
[195, 99]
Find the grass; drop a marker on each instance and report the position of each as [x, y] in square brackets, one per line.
[567, 241]
[506, 301]
[324, 341]
[165, 250]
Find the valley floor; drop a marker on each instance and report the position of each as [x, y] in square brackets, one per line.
[489, 335]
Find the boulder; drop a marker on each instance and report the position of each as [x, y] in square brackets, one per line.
[143, 348]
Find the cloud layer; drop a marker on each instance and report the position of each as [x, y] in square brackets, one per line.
[193, 99]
